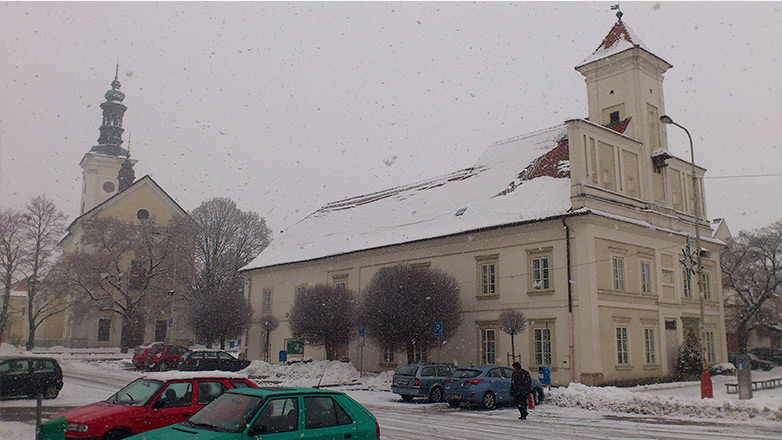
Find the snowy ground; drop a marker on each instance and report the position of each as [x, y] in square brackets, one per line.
[664, 411]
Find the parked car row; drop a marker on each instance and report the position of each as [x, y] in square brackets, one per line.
[755, 362]
[166, 357]
[770, 354]
[211, 404]
[485, 385]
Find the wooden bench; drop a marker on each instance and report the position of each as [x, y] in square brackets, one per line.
[733, 388]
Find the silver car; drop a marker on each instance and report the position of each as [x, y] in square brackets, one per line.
[421, 380]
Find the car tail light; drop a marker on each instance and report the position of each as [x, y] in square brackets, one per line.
[377, 429]
[473, 381]
[448, 380]
[417, 382]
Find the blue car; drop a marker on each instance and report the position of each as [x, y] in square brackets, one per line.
[486, 385]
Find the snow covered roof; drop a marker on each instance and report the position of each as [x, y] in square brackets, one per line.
[517, 180]
[619, 39]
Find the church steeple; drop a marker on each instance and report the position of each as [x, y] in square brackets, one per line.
[110, 140]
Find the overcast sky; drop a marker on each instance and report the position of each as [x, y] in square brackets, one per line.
[284, 107]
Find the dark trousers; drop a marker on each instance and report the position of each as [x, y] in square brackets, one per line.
[520, 400]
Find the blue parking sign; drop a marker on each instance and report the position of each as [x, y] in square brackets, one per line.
[361, 330]
[438, 329]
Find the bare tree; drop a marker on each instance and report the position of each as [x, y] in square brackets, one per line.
[512, 322]
[752, 278]
[123, 268]
[44, 225]
[402, 303]
[12, 255]
[227, 240]
[268, 323]
[324, 315]
[219, 316]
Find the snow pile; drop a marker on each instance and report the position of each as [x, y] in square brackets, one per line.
[7, 349]
[622, 400]
[308, 374]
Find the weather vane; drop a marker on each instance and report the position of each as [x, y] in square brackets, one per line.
[618, 11]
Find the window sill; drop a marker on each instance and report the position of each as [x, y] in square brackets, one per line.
[387, 364]
[491, 296]
[651, 367]
[540, 292]
[623, 367]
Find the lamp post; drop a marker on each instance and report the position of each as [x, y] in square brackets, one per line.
[706, 386]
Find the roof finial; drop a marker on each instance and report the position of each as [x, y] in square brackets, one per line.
[116, 72]
[619, 13]
[129, 135]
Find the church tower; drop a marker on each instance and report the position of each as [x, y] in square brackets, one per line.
[102, 164]
[625, 87]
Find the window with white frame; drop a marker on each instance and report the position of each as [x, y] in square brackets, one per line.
[650, 356]
[622, 356]
[266, 303]
[488, 273]
[646, 277]
[419, 354]
[388, 354]
[542, 345]
[488, 345]
[541, 276]
[618, 272]
[706, 284]
[710, 352]
[340, 281]
[687, 282]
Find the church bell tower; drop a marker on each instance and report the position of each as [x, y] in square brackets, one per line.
[102, 164]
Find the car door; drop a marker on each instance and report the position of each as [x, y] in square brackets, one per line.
[16, 377]
[211, 361]
[278, 419]
[428, 377]
[504, 384]
[173, 405]
[44, 374]
[226, 362]
[325, 419]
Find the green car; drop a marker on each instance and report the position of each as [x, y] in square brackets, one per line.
[274, 413]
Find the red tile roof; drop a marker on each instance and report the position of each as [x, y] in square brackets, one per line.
[618, 32]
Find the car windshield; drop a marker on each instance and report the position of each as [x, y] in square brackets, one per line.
[136, 393]
[227, 413]
[407, 370]
[466, 374]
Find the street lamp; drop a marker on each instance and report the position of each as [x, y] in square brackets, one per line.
[706, 387]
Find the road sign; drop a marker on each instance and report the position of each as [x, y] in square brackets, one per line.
[294, 346]
[438, 329]
[362, 329]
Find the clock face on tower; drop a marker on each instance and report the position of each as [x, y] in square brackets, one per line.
[108, 187]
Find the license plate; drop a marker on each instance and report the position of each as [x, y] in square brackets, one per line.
[401, 382]
[456, 396]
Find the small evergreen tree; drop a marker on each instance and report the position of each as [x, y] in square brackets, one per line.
[689, 362]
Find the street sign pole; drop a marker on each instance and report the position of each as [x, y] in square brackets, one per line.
[361, 333]
[438, 333]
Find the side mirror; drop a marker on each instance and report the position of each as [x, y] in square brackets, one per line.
[257, 430]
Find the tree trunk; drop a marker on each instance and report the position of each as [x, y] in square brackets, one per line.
[132, 331]
[4, 310]
[410, 352]
[31, 327]
[512, 348]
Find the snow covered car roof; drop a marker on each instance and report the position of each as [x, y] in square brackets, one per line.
[164, 376]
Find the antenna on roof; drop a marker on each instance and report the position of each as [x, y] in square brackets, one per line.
[322, 374]
[619, 13]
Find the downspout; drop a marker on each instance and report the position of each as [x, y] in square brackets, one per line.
[570, 303]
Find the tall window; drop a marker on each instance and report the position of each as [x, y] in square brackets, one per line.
[104, 329]
[300, 289]
[540, 273]
[266, 305]
[706, 285]
[646, 277]
[649, 353]
[621, 346]
[687, 283]
[710, 353]
[542, 343]
[488, 285]
[488, 345]
[618, 271]
[419, 353]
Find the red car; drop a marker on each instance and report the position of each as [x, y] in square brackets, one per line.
[140, 354]
[165, 357]
[150, 402]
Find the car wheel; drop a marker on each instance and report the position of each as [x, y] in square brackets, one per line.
[454, 403]
[407, 398]
[435, 395]
[162, 366]
[50, 392]
[537, 395]
[489, 400]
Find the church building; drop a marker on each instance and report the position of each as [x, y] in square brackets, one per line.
[580, 226]
[110, 189]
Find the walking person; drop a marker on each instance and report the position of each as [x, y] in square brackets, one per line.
[520, 383]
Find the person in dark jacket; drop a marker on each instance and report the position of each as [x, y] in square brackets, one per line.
[520, 383]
